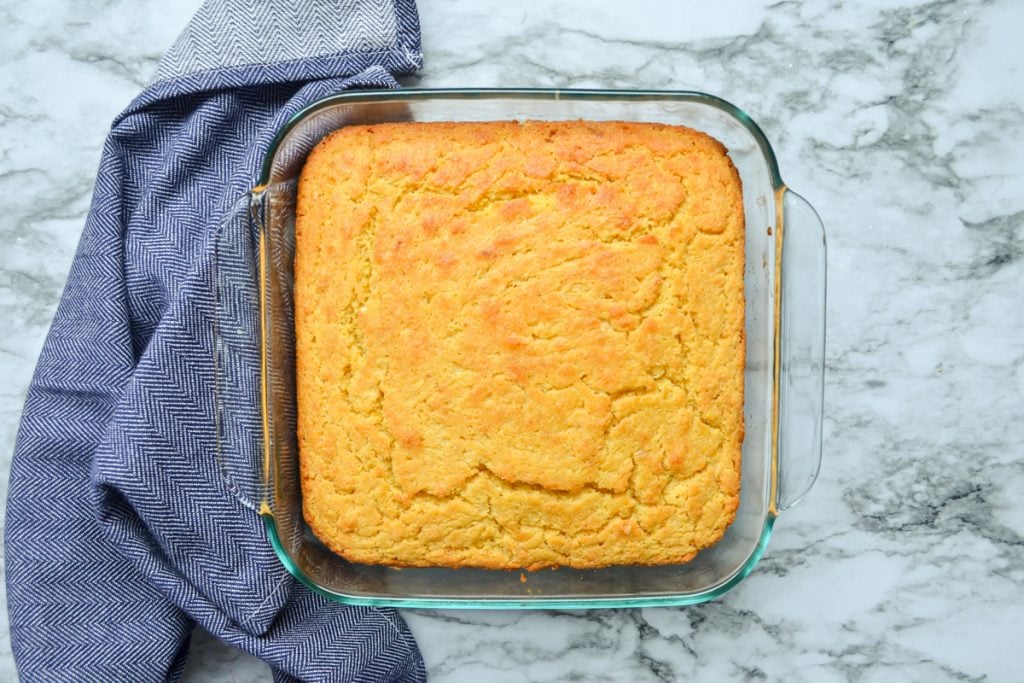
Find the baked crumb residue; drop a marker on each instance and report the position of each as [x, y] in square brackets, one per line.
[519, 345]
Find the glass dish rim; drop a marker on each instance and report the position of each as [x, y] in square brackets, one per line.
[525, 93]
[499, 603]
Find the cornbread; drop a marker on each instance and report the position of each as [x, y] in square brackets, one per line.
[519, 345]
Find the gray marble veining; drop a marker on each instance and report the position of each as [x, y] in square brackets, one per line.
[903, 123]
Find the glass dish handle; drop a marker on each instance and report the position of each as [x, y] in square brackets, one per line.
[802, 350]
[237, 353]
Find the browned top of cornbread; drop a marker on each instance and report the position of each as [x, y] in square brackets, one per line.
[519, 345]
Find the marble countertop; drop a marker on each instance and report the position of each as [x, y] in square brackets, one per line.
[901, 121]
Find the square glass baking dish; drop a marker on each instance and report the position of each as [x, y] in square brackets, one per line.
[784, 371]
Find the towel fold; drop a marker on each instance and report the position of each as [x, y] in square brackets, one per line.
[121, 531]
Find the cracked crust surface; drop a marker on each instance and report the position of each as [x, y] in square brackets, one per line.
[519, 345]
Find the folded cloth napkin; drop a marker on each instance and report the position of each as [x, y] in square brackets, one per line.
[121, 531]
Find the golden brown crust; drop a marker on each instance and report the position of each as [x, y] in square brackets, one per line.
[519, 345]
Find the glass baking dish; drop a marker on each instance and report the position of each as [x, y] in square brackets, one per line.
[785, 334]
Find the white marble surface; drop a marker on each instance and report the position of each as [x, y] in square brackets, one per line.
[901, 121]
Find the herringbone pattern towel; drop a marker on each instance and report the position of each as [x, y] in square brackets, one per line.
[121, 531]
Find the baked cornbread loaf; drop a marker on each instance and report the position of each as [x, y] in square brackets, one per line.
[519, 345]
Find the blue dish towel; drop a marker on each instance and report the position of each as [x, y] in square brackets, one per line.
[121, 532]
